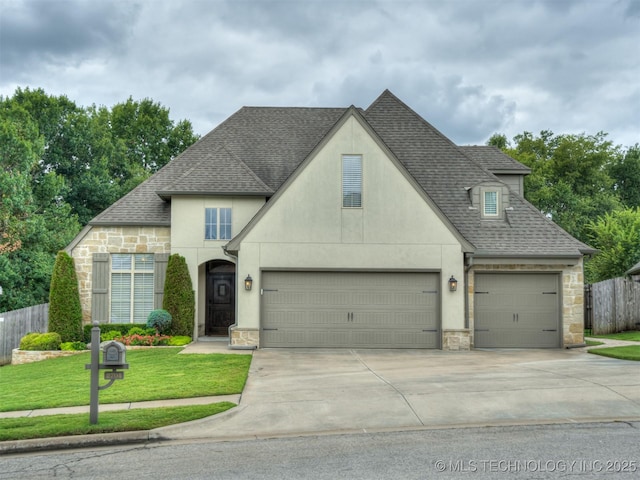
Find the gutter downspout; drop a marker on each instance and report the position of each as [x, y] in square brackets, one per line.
[468, 264]
[235, 323]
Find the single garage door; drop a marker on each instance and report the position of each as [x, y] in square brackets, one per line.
[517, 310]
[350, 309]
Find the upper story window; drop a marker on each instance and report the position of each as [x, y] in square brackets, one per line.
[132, 288]
[217, 224]
[352, 181]
[490, 199]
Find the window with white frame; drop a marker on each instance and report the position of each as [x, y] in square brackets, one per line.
[352, 181]
[490, 205]
[217, 224]
[131, 287]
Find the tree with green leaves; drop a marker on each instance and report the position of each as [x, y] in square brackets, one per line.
[179, 297]
[625, 171]
[65, 312]
[569, 178]
[617, 235]
[61, 165]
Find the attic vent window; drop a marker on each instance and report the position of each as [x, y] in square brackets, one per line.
[490, 203]
[352, 181]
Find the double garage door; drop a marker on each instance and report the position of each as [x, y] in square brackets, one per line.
[517, 310]
[350, 309]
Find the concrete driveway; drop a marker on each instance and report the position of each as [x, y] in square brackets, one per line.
[296, 391]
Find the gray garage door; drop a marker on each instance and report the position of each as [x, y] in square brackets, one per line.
[517, 310]
[349, 309]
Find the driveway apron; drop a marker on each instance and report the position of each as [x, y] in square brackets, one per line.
[296, 391]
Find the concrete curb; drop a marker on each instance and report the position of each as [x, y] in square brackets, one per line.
[76, 441]
[154, 436]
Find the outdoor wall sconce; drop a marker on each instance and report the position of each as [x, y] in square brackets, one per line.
[453, 284]
[248, 282]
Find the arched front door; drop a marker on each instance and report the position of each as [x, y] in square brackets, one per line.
[221, 297]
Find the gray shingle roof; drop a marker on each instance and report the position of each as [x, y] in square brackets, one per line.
[494, 159]
[256, 150]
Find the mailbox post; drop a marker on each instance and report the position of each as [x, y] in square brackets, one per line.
[113, 359]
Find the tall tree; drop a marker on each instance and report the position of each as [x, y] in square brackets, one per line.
[617, 236]
[569, 180]
[625, 172]
[60, 165]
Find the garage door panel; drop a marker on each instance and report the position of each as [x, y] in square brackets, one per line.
[342, 309]
[517, 310]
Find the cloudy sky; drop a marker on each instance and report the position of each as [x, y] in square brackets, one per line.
[470, 67]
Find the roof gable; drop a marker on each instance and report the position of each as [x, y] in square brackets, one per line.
[257, 150]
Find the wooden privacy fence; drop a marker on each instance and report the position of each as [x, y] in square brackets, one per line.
[17, 323]
[614, 306]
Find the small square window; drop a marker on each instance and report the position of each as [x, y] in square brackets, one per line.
[217, 224]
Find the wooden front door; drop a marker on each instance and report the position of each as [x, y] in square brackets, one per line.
[221, 301]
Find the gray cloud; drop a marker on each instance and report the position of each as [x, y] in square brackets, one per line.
[470, 68]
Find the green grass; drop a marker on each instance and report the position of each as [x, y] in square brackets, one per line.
[154, 374]
[119, 421]
[591, 343]
[632, 336]
[631, 352]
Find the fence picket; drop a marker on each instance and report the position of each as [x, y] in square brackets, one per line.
[17, 323]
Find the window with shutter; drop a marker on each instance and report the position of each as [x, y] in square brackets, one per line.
[132, 287]
[352, 181]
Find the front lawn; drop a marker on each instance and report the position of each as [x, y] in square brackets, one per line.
[631, 352]
[23, 428]
[632, 336]
[154, 374]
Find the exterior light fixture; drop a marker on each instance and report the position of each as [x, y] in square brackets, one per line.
[248, 282]
[453, 284]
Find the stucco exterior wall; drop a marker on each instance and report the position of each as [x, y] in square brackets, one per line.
[307, 228]
[572, 295]
[188, 239]
[113, 240]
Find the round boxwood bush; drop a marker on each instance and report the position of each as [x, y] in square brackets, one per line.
[179, 341]
[41, 341]
[160, 320]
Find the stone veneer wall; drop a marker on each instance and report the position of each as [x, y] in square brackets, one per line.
[20, 357]
[572, 295]
[244, 337]
[113, 240]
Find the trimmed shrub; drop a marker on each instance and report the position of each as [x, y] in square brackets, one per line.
[140, 331]
[110, 335]
[40, 341]
[179, 297]
[122, 328]
[65, 312]
[179, 341]
[159, 320]
[73, 346]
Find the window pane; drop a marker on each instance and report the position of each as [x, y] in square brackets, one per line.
[352, 181]
[121, 261]
[142, 297]
[211, 223]
[120, 298]
[225, 224]
[491, 203]
[144, 261]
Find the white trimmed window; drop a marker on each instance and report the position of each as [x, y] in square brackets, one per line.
[352, 181]
[490, 203]
[131, 287]
[217, 224]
